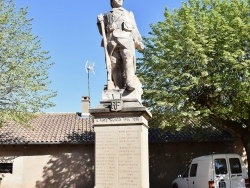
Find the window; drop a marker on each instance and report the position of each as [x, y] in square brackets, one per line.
[235, 166]
[220, 166]
[193, 170]
[6, 167]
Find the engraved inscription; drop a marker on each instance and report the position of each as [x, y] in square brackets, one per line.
[129, 157]
[118, 156]
[106, 154]
[117, 120]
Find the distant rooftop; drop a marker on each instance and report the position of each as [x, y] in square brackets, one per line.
[71, 128]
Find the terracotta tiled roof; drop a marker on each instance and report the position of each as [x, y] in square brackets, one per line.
[50, 128]
[189, 134]
[71, 128]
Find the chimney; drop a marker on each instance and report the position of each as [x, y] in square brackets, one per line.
[85, 105]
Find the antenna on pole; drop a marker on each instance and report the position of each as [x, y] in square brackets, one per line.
[89, 66]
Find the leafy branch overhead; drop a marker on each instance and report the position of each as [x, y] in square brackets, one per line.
[196, 65]
[24, 85]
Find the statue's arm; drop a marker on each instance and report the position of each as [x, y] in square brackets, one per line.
[136, 34]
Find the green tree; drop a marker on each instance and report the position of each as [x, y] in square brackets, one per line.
[196, 67]
[23, 67]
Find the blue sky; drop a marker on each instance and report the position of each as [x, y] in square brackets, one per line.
[67, 29]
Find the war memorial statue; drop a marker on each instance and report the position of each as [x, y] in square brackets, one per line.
[120, 39]
[121, 120]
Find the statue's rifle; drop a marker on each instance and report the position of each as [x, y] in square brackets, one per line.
[107, 58]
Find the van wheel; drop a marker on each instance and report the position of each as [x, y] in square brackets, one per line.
[175, 186]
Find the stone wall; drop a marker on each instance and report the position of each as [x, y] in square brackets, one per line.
[53, 166]
[72, 166]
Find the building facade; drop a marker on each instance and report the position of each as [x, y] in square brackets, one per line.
[56, 150]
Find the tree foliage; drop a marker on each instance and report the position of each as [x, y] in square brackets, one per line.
[196, 64]
[23, 67]
[196, 67]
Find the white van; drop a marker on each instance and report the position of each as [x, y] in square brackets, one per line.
[214, 171]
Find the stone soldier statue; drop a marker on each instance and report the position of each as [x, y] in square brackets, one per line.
[122, 38]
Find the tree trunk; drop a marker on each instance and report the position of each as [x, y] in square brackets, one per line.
[246, 143]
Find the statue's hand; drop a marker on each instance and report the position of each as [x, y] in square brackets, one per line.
[139, 46]
[100, 18]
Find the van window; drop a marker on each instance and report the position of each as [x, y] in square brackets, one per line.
[193, 170]
[220, 166]
[6, 168]
[235, 166]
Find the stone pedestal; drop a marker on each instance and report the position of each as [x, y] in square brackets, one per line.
[121, 144]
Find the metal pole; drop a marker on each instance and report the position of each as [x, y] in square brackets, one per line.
[89, 88]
